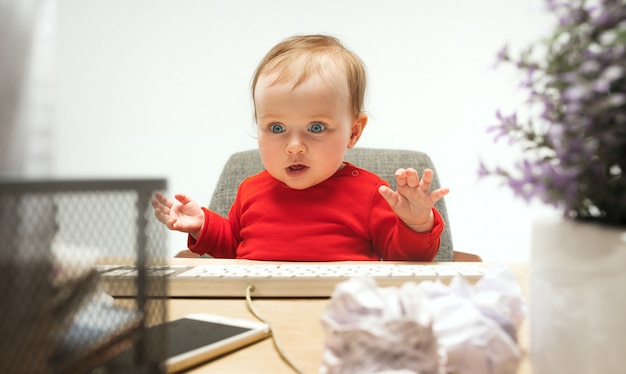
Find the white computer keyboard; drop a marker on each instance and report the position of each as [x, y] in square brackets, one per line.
[277, 280]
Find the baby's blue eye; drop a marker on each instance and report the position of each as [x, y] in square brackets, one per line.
[316, 127]
[276, 128]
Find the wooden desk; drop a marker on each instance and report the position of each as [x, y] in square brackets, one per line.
[297, 325]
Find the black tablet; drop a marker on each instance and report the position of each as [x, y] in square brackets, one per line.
[200, 337]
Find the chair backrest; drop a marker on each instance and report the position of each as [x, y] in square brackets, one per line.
[383, 162]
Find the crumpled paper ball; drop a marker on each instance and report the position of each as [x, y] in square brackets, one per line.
[372, 330]
[425, 328]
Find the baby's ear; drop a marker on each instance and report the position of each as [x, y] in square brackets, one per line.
[358, 125]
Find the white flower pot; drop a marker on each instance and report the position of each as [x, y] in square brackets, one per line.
[577, 298]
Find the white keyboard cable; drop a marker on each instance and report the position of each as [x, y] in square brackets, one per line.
[277, 345]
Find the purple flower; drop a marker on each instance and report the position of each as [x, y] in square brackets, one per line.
[501, 56]
[482, 170]
[575, 93]
[574, 143]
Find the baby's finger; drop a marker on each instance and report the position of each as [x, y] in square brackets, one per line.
[389, 195]
[412, 178]
[171, 224]
[400, 175]
[157, 205]
[427, 180]
[439, 193]
[163, 200]
[161, 216]
[183, 199]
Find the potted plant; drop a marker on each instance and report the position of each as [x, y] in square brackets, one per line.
[574, 148]
[572, 142]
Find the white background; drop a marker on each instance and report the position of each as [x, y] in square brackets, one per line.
[160, 88]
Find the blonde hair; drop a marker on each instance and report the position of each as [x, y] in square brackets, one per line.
[298, 57]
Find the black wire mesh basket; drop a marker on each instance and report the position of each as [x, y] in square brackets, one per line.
[56, 315]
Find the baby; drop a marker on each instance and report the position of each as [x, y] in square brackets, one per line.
[309, 204]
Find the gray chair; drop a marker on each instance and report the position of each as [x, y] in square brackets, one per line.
[383, 162]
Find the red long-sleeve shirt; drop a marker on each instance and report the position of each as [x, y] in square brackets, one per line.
[343, 218]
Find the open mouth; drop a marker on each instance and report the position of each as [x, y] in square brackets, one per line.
[296, 170]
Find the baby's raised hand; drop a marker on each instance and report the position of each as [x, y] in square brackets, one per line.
[413, 202]
[182, 214]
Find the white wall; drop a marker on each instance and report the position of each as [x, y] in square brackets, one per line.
[27, 88]
[161, 88]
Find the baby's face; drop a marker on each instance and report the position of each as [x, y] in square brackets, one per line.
[303, 132]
